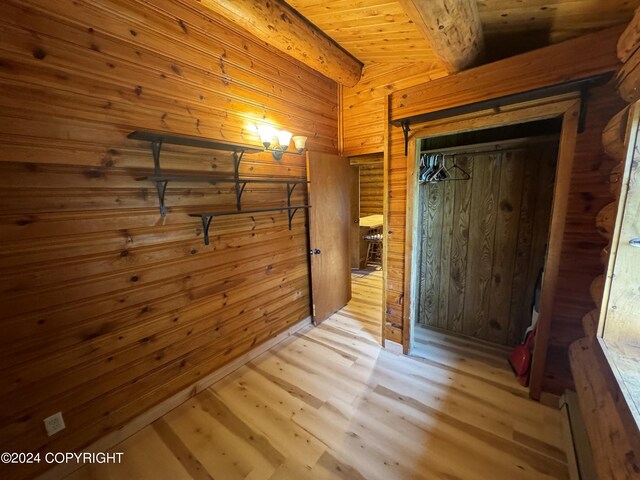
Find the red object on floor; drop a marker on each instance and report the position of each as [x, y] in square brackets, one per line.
[520, 358]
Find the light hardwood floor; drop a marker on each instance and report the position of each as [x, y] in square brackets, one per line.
[330, 403]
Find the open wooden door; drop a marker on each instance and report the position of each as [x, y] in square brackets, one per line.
[329, 221]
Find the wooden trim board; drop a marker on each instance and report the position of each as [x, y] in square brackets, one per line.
[559, 207]
[613, 435]
[632, 145]
[579, 458]
[385, 220]
[114, 438]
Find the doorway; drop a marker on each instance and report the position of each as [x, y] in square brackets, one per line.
[366, 234]
[482, 229]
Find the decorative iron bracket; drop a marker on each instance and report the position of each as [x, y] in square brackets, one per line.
[290, 187]
[582, 119]
[291, 213]
[161, 187]
[156, 146]
[405, 132]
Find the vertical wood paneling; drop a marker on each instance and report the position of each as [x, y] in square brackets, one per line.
[108, 308]
[520, 302]
[505, 246]
[432, 244]
[448, 195]
[459, 247]
[471, 236]
[481, 242]
[363, 105]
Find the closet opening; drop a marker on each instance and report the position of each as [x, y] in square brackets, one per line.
[483, 220]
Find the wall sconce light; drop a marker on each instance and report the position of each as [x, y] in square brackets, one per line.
[268, 133]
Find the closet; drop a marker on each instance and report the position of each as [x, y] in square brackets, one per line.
[485, 203]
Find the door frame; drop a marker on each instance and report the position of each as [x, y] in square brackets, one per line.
[565, 106]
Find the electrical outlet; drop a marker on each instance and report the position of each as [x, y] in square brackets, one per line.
[54, 423]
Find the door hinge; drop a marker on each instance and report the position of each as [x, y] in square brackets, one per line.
[314, 309]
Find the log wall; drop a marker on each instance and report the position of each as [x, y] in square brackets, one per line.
[582, 245]
[108, 309]
[371, 189]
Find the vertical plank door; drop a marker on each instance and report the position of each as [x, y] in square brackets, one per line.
[329, 222]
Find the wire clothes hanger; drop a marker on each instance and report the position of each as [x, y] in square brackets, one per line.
[440, 167]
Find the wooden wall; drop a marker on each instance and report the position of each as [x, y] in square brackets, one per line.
[581, 57]
[589, 189]
[363, 105]
[483, 243]
[371, 189]
[108, 308]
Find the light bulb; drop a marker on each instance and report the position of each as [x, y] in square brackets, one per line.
[299, 141]
[266, 132]
[284, 138]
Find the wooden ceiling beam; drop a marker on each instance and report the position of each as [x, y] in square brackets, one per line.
[452, 28]
[277, 24]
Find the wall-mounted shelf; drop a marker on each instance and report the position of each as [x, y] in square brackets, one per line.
[161, 180]
[208, 217]
[240, 184]
[190, 141]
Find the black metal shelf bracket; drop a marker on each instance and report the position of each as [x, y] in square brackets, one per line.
[582, 119]
[239, 192]
[237, 158]
[207, 218]
[206, 223]
[161, 187]
[291, 213]
[156, 147]
[405, 132]
[290, 187]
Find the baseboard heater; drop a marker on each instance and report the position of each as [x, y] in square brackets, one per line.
[579, 456]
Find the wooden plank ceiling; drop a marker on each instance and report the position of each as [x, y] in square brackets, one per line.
[379, 31]
[371, 30]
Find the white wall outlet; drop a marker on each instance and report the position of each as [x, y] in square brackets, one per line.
[54, 423]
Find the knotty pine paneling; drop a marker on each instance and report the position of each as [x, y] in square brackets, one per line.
[363, 105]
[579, 58]
[483, 243]
[374, 31]
[371, 189]
[108, 309]
[581, 247]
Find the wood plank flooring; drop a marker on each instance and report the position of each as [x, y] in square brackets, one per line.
[330, 403]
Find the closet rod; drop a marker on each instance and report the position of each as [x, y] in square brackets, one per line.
[522, 145]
